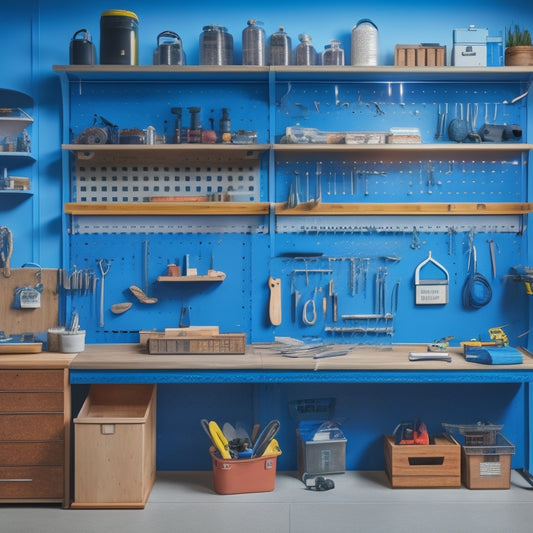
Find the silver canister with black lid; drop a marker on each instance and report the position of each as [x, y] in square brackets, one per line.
[216, 46]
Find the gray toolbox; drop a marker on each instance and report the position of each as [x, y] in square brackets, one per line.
[320, 440]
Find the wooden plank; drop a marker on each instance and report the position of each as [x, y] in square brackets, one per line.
[466, 208]
[16, 321]
[167, 208]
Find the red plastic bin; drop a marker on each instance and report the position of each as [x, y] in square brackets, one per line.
[241, 476]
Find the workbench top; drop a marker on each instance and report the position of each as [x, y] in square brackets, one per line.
[264, 357]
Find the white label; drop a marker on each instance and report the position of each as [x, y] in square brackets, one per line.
[431, 294]
[30, 299]
[490, 469]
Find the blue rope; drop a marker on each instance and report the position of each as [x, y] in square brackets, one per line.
[477, 292]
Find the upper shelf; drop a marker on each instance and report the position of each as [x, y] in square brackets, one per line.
[414, 147]
[102, 73]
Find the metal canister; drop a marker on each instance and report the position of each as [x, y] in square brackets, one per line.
[253, 44]
[119, 38]
[82, 50]
[169, 49]
[280, 48]
[364, 43]
[305, 51]
[216, 46]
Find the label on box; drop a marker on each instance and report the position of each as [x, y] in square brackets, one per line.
[490, 469]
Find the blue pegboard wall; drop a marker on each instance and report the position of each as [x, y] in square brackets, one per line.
[138, 260]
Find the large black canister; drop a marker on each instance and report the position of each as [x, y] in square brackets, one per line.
[81, 50]
[119, 38]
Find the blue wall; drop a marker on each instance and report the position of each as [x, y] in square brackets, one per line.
[39, 32]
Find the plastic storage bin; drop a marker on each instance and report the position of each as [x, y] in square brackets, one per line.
[114, 454]
[241, 476]
[317, 457]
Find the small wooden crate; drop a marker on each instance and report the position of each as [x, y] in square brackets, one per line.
[417, 55]
[230, 343]
[433, 465]
[114, 459]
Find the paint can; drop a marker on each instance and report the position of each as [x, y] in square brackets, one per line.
[119, 38]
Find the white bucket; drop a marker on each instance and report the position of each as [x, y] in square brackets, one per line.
[53, 338]
[72, 341]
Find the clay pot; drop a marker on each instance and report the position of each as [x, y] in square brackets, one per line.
[519, 56]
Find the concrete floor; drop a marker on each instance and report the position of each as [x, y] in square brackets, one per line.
[360, 502]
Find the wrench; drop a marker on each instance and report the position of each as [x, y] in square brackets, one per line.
[103, 265]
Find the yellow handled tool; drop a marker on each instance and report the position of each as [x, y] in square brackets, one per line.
[219, 440]
[272, 449]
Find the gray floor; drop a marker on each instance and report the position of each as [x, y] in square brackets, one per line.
[361, 502]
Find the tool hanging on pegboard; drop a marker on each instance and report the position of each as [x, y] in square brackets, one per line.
[6, 249]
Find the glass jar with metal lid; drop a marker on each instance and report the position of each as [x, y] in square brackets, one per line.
[333, 54]
[216, 46]
[119, 38]
[305, 51]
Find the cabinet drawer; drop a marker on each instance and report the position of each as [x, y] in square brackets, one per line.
[36, 380]
[31, 482]
[32, 426]
[32, 453]
[40, 402]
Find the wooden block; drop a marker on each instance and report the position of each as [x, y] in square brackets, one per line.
[421, 60]
[433, 465]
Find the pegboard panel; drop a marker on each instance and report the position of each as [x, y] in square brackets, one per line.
[143, 183]
[167, 224]
[379, 106]
[410, 224]
[373, 279]
[139, 260]
[407, 178]
[139, 105]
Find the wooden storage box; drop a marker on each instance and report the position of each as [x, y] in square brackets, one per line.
[114, 454]
[226, 343]
[417, 55]
[488, 466]
[433, 465]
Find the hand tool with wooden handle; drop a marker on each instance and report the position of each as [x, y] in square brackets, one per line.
[274, 308]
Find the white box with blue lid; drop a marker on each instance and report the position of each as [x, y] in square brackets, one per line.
[470, 47]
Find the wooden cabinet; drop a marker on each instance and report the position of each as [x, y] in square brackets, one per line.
[35, 428]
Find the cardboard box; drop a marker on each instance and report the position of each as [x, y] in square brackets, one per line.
[420, 466]
[418, 55]
[114, 454]
[241, 476]
[488, 466]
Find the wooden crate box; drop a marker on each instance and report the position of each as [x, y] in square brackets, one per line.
[114, 454]
[433, 465]
[417, 55]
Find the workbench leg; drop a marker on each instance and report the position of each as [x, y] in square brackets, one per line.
[528, 386]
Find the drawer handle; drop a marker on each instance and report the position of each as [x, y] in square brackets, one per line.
[16, 480]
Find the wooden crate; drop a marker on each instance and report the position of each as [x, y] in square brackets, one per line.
[417, 55]
[432, 465]
[230, 343]
[114, 453]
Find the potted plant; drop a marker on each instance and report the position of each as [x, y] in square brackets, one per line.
[518, 47]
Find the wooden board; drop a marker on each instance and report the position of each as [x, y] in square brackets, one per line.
[16, 321]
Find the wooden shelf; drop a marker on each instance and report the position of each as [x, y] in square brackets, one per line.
[466, 208]
[165, 152]
[283, 73]
[218, 276]
[167, 208]
[418, 147]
